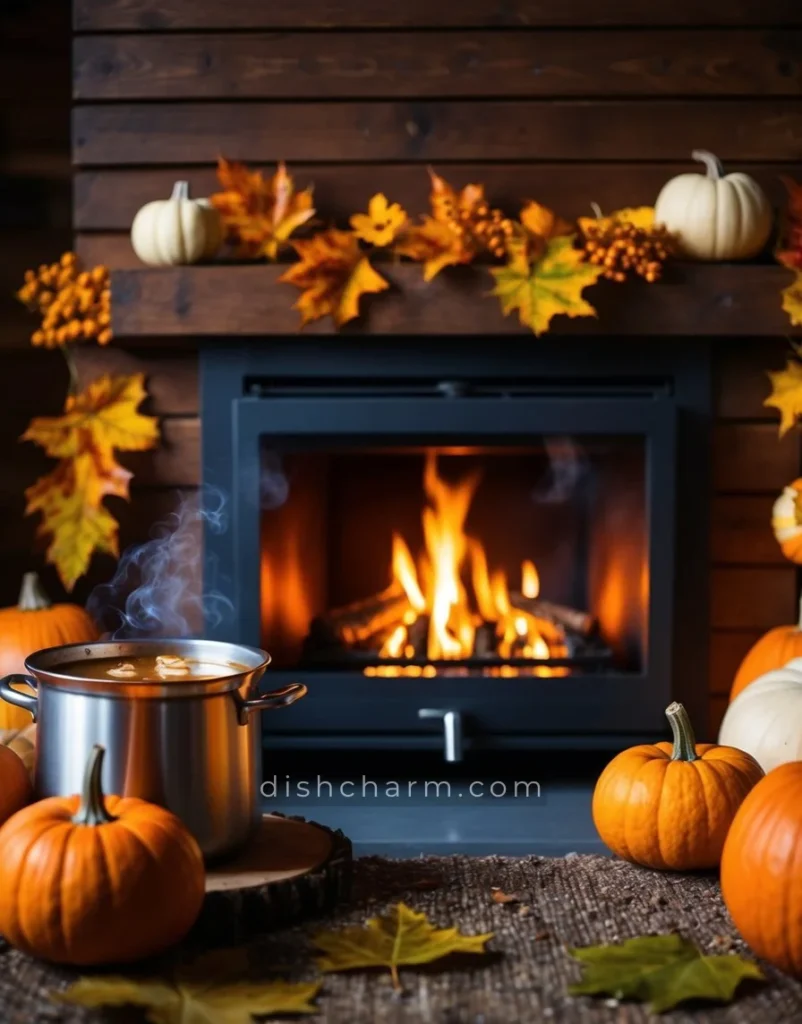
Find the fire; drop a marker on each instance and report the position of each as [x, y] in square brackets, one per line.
[453, 612]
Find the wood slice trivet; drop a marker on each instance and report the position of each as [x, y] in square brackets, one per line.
[291, 870]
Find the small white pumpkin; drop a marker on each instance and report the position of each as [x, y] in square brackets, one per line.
[765, 719]
[715, 217]
[178, 230]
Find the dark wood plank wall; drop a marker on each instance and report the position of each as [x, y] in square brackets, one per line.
[568, 102]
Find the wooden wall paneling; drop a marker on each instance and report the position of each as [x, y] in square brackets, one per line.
[741, 377]
[572, 62]
[717, 707]
[751, 598]
[750, 457]
[177, 460]
[425, 130]
[162, 15]
[741, 531]
[171, 376]
[108, 199]
[727, 651]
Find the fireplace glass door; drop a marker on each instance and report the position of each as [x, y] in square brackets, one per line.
[524, 561]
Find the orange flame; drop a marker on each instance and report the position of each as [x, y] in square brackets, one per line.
[530, 580]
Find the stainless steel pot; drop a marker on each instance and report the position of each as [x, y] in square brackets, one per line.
[193, 746]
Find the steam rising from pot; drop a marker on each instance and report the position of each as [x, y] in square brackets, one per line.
[162, 587]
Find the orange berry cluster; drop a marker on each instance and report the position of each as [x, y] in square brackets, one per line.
[622, 248]
[479, 226]
[75, 305]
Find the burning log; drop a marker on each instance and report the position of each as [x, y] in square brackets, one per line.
[355, 622]
[569, 618]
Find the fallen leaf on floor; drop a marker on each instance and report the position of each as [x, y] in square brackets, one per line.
[663, 970]
[214, 988]
[402, 938]
[498, 896]
[542, 935]
[524, 910]
[786, 394]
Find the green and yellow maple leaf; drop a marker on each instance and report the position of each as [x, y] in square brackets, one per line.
[402, 938]
[663, 970]
[212, 990]
[786, 394]
[552, 285]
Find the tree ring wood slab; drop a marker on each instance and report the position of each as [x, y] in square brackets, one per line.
[290, 871]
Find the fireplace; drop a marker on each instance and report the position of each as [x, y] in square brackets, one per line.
[481, 545]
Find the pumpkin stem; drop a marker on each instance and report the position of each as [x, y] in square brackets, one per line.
[711, 162]
[180, 190]
[92, 809]
[32, 595]
[684, 739]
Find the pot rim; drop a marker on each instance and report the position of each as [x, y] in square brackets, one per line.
[247, 667]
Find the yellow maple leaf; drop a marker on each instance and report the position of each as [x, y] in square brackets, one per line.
[333, 274]
[546, 287]
[639, 216]
[792, 300]
[260, 213]
[95, 424]
[540, 220]
[216, 987]
[381, 224]
[786, 394]
[402, 938]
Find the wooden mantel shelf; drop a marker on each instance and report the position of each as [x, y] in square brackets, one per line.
[248, 300]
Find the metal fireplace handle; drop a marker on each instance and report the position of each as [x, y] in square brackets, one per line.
[452, 730]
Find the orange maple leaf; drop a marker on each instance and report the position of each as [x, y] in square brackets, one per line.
[789, 252]
[332, 273]
[96, 423]
[538, 225]
[439, 240]
[260, 214]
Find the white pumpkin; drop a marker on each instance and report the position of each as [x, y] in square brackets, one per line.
[178, 230]
[765, 719]
[715, 217]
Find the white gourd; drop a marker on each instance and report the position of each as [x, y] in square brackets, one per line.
[175, 231]
[765, 719]
[715, 216]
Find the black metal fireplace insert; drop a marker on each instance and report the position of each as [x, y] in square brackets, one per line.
[490, 543]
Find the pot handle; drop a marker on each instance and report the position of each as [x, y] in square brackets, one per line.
[26, 701]
[275, 699]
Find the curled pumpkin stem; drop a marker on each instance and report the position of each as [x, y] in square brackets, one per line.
[684, 739]
[92, 809]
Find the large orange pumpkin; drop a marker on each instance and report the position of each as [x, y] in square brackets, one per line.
[92, 880]
[15, 784]
[760, 878]
[669, 805]
[30, 625]
[779, 646]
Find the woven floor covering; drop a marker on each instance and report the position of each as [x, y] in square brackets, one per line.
[573, 901]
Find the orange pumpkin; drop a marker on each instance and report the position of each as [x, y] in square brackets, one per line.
[92, 880]
[786, 521]
[15, 784]
[772, 651]
[30, 625]
[670, 806]
[760, 879]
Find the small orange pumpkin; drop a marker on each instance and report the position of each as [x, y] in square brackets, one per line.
[15, 784]
[670, 806]
[93, 880]
[30, 625]
[786, 521]
[772, 651]
[760, 879]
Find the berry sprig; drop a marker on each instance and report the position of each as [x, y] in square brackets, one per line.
[75, 304]
[480, 226]
[623, 248]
